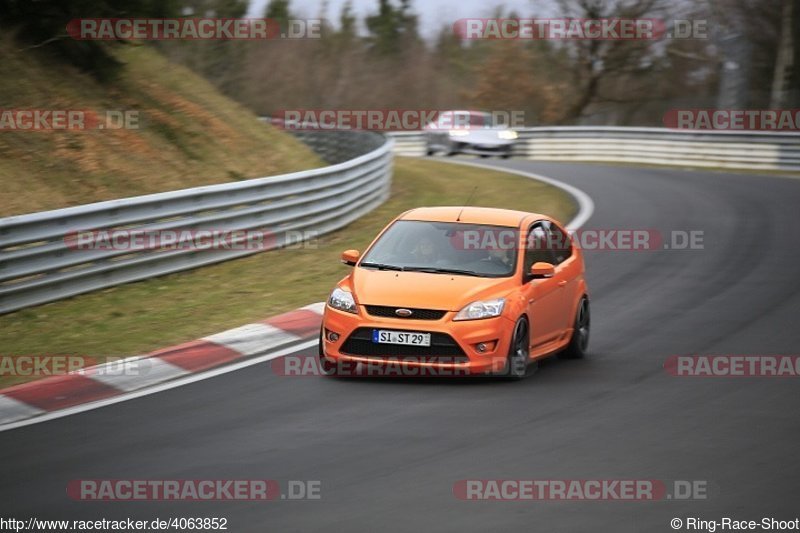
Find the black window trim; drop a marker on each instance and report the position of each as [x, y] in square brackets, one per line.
[571, 251]
[544, 223]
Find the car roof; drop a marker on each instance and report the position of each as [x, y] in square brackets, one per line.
[469, 215]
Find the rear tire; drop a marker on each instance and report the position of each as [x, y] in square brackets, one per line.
[579, 343]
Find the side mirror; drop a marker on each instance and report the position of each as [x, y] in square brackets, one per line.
[350, 257]
[542, 270]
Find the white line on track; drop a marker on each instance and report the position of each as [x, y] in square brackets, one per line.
[585, 203]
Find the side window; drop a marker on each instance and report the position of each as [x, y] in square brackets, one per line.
[561, 244]
[536, 247]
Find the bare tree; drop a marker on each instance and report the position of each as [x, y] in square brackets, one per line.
[785, 83]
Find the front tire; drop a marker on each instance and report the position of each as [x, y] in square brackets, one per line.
[579, 343]
[327, 367]
[518, 353]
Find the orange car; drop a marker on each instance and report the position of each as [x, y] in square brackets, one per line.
[468, 290]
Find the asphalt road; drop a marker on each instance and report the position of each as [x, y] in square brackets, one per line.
[387, 453]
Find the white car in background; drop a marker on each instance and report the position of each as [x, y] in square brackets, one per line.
[468, 132]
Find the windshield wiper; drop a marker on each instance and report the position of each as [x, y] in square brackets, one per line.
[434, 270]
[381, 266]
[429, 270]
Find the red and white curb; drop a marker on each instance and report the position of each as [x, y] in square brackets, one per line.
[49, 395]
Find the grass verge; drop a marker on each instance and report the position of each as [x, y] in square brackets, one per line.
[143, 316]
[188, 134]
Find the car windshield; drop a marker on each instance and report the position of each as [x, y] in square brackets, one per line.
[446, 248]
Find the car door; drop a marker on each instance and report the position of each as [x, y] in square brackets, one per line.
[545, 297]
[568, 272]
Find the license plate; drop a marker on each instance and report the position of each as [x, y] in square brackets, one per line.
[382, 336]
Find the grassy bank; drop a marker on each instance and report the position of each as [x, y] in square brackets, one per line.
[188, 133]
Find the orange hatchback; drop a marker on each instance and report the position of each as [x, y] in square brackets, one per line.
[459, 290]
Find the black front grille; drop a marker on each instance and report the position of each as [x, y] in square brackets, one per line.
[416, 314]
[443, 348]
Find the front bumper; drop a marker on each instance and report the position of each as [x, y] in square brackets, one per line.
[459, 355]
[505, 148]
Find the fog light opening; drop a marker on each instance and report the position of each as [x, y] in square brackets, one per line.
[485, 347]
[331, 336]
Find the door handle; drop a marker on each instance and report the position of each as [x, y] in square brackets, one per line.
[562, 283]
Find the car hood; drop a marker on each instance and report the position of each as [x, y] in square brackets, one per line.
[484, 136]
[423, 290]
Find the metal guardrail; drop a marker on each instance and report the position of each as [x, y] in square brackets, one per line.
[747, 150]
[38, 264]
[334, 146]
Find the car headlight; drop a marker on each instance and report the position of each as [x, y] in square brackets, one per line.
[484, 309]
[342, 300]
[458, 133]
[508, 134]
